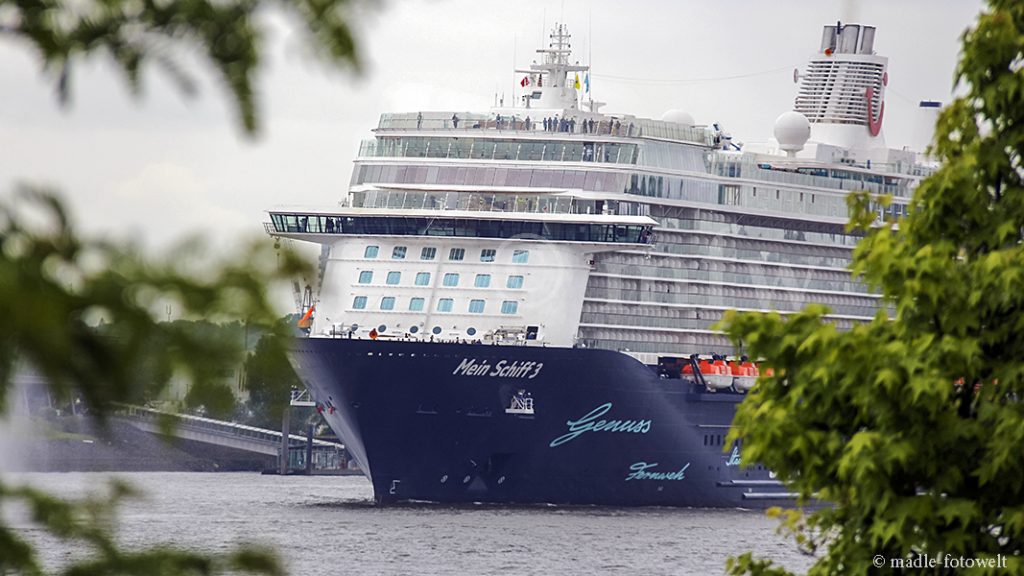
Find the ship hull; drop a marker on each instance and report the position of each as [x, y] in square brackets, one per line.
[430, 421]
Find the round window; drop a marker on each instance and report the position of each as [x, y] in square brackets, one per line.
[436, 330]
[471, 331]
[414, 329]
[382, 328]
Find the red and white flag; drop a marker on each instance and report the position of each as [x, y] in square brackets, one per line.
[525, 81]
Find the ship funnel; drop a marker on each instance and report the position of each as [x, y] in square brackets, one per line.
[842, 91]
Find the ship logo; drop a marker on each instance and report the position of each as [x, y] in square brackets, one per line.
[590, 423]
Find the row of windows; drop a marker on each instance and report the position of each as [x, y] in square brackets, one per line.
[514, 281]
[458, 227]
[455, 254]
[490, 149]
[476, 306]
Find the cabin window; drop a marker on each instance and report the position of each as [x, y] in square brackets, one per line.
[451, 279]
[394, 277]
[423, 278]
[482, 280]
[457, 254]
[487, 255]
[398, 253]
[428, 253]
[476, 306]
[371, 252]
[359, 303]
[416, 305]
[520, 256]
[445, 305]
[387, 303]
[514, 282]
[509, 307]
[366, 276]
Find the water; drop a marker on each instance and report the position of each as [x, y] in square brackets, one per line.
[329, 525]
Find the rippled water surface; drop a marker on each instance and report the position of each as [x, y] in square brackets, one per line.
[329, 525]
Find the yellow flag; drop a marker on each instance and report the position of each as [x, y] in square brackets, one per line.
[577, 81]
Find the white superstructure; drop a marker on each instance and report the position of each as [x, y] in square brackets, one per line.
[547, 224]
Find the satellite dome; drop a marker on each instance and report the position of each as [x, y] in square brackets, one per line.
[792, 129]
[678, 116]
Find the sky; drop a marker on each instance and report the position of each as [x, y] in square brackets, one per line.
[154, 169]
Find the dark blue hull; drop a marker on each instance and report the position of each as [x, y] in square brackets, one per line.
[429, 421]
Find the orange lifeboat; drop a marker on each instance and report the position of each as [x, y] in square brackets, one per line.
[717, 374]
[744, 375]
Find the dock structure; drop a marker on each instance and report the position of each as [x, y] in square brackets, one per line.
[234, 435]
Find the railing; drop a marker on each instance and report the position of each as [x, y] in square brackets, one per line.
[530, 122]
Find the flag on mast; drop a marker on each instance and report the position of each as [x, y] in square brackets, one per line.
[577, 81]
[525, 81]
[586, 82]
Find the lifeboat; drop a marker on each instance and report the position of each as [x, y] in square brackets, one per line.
[716, 373]
[744, 374]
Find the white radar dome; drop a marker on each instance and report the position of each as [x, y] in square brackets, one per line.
[792, 129]
[679, 117]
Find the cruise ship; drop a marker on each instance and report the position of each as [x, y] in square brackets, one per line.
[519, 305]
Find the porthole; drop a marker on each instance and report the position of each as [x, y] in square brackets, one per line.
[471, 331]
[436, 330]
[382, 328]
[414, 329]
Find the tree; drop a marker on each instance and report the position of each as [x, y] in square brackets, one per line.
[57, 288]
[910, 427]
[269, 379]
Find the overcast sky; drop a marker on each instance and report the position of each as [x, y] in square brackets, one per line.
[156, 168]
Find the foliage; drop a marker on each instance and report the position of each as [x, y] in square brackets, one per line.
[224, 33]
[89, 522]
[54, 289]
[269, 379]
[911, 426]
[85, 313]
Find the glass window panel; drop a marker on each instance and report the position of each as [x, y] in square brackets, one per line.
[482, 281]
[423, 278]
[514, 282]
[371, 252]
[387, 303]
[509, 307]
[476, 306]
[445, 305]
[428, 253]
[457, 254]
[366, 276]
[359, 303]
[398, 253]
[394, 277]
[416, 305]
[487, 255]
[451, 279]
[520, 256]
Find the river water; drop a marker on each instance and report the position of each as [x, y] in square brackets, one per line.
[329, 525]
